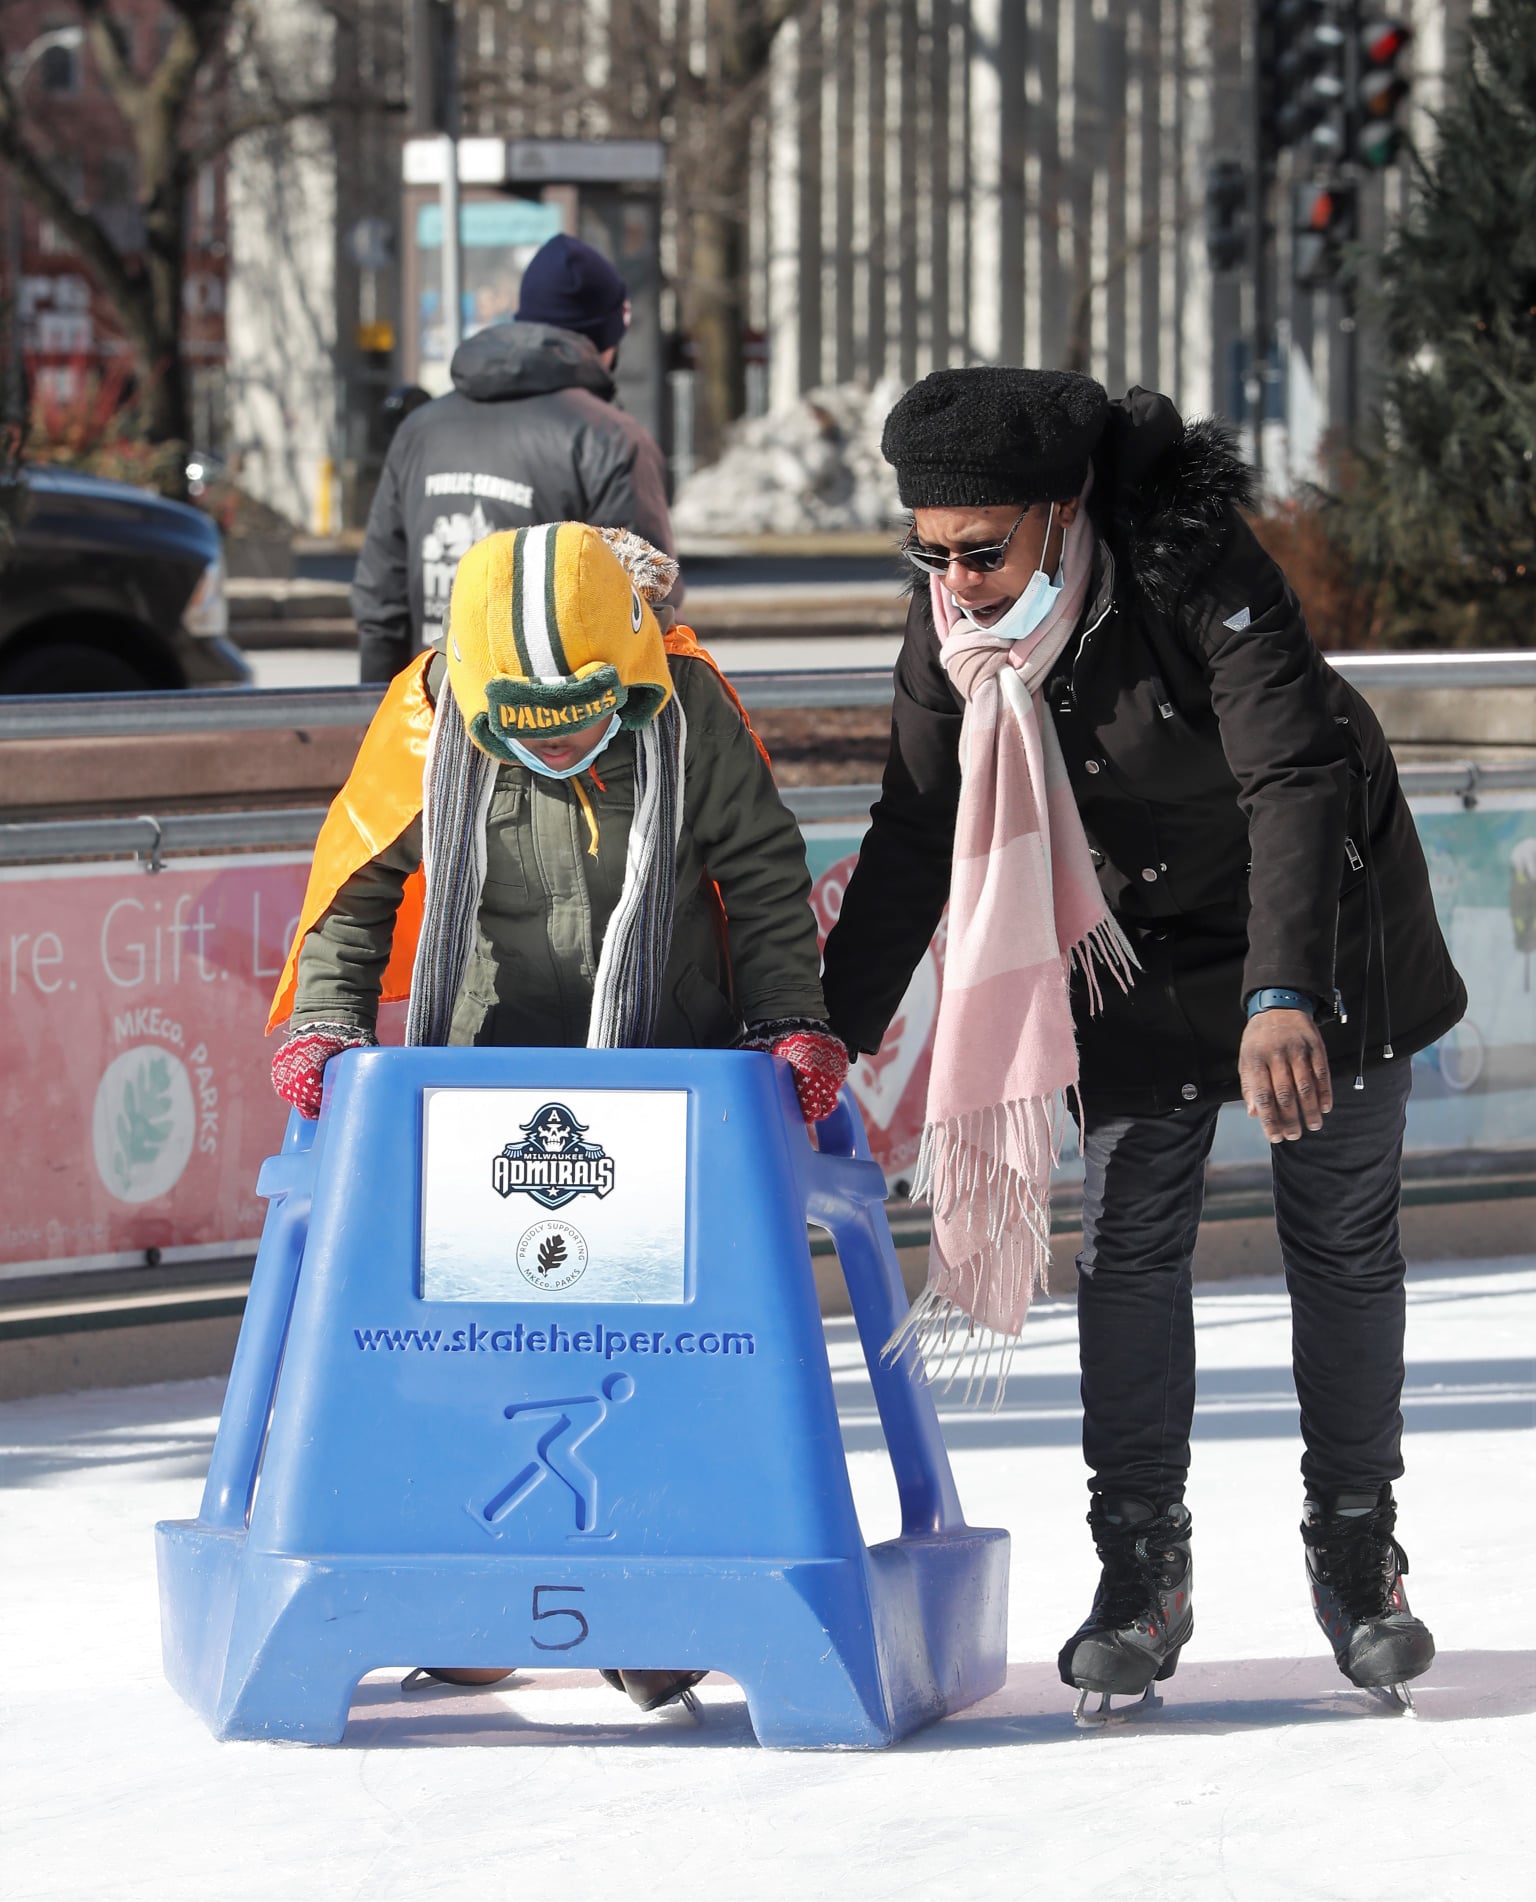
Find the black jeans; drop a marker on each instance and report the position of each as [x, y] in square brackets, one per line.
[1336, 1209]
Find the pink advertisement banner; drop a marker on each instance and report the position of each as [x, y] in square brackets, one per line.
[134, 1080]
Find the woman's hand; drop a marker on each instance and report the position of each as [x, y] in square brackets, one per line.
[1283, 1068]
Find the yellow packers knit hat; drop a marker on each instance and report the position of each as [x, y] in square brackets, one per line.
[547, 632]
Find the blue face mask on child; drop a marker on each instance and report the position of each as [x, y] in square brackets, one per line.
[535, 765]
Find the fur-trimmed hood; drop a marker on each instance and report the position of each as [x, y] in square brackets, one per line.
[1166, 494]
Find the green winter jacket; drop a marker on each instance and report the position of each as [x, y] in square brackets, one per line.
[547, 900]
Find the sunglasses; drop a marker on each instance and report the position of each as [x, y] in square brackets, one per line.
[981, 561]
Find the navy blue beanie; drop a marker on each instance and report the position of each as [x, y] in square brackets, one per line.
[574, 287]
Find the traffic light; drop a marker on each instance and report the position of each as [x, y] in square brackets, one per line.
[1325, 217]
[1300, 49]
[1263, 78]
[1382, 89]
[1226, 215]
[1312, 78]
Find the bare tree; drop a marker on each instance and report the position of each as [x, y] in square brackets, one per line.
[1089, 286]
[212, 83]
[692, 77]
[714, 111]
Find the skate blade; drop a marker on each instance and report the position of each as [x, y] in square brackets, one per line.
[1105, 1713]
[1396, 1698]
[420, 1680]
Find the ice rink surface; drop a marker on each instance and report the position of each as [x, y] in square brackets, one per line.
[1263, 1776]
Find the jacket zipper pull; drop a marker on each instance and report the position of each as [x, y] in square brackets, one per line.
[1338, 1006]
[1160, 695]
[1352, 853]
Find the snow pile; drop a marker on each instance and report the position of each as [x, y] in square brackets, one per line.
[794, 471]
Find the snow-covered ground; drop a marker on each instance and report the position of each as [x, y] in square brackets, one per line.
[1264, 1775]
[806, 469]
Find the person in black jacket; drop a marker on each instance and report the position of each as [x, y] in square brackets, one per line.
[1244, 815]
[529, 433]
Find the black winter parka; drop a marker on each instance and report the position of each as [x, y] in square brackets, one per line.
[529, 433]
[1240, 800]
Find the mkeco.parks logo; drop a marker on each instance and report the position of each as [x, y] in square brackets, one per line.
[554, 1163]
[552, 1256]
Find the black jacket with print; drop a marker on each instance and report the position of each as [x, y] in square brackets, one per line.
[1240, 800]
[529, 433]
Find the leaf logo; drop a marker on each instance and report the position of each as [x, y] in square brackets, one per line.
[552, 1256]
[143, 1123]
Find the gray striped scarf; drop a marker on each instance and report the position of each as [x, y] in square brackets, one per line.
[457, 784]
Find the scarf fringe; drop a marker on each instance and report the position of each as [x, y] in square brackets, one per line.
[967, 1158]
[997, 1162]
[942, 1342]
[964, 1156]
[1107, 945]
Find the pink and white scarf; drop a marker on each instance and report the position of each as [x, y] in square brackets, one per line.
[1024, 904]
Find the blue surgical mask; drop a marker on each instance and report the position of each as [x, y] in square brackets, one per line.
[536, 765]
[1040, 595]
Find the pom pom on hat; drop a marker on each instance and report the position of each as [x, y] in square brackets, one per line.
[652, 572]
[992, 436]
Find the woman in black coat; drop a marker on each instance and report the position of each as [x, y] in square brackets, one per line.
[1243, 812]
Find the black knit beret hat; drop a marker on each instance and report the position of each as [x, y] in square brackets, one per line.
[991, 435]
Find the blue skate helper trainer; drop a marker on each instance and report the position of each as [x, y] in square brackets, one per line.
[532, 1373]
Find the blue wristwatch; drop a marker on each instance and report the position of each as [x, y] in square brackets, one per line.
[1277, 997]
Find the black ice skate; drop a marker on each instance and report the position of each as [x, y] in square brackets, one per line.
[652, 1689]
[1143, 1612]
[1355, 1568]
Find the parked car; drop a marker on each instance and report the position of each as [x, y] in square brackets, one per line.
[107, 588]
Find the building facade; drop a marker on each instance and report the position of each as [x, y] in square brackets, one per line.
[66, 331]
[930, 182]
[956, 181]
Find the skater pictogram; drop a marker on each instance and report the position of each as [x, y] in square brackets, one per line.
[554, 1454]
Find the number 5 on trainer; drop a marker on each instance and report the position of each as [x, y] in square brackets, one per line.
[542, 1612]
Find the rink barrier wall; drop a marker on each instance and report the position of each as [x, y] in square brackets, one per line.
[169, 1268]
[155, 837]
[248, 709]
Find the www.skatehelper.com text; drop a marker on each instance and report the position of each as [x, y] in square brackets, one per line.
[606, 1343]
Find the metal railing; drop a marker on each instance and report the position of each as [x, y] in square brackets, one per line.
[153, 838]
[115, 716]
[89, 716]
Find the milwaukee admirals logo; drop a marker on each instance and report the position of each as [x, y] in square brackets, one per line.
[554, 1164]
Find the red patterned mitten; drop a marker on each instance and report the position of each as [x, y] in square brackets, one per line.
[818, 1059]
[299, 1065]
